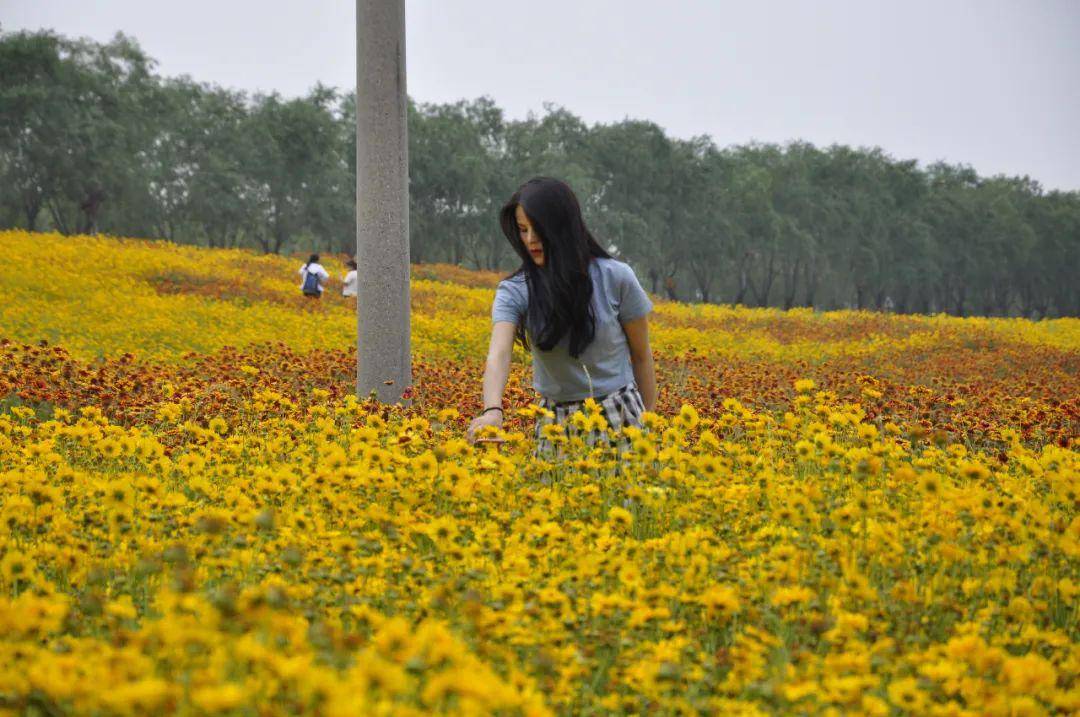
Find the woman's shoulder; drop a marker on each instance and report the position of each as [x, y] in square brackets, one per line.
[513, 289]
[612, 268]
[515, 280]
[511, 298]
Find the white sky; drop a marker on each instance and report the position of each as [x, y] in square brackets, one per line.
[988, 83]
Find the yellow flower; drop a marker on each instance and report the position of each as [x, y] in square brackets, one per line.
[905, 694]
[710, 466]
[442, 531]
[930, 483]
[867, 431]
[874, 706]
[143, 696]
[973, 470]
[620, 517]
[109, 448]
[218, 698]
[553, 433]
[720, 602]
[426, 466]
[804, 448]
[393, 638]
[1068, 589]
[687, 419]
[119, 494]
[15, 566]
[580, 420]
[596, 422]
[642, 449]
[1029, 675]
[652, 421]
[169, 412]
[122, 608]
[787, 596]
[190, 463]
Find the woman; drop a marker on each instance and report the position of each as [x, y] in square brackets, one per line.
[348, 284]
[582, 313]
[313, 277]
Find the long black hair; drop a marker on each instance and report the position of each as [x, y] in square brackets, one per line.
[560, 292]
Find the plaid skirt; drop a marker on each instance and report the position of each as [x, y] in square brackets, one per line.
[620, 408]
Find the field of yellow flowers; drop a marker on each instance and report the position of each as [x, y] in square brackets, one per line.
[830, 513]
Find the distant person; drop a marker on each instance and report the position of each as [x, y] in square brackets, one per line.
[348, 287]
[583, 314]
[313, 277]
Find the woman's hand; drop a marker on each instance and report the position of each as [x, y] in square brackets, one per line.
[496, 371]
[491, 418]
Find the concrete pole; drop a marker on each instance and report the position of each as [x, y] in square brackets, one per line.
[384, 361]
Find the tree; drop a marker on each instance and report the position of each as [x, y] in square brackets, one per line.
[291, 169]
[32, 121]
[631, 162]
[450, 167]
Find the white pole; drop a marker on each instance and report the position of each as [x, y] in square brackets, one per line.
[384, 361]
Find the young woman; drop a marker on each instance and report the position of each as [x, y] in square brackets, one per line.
[348, 284]
[313, 277]
[582, 313]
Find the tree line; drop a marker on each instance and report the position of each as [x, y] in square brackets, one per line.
[93, 140]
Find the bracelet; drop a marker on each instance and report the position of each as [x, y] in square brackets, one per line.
[493, 408]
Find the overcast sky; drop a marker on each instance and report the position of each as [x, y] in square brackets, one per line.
[992, 84]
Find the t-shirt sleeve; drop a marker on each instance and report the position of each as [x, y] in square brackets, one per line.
[633, 301]
[510, 303]
[324, 274]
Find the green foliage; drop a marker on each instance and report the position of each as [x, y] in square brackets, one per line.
[91, 140]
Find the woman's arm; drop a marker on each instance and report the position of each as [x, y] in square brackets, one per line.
[641, 359]
[496, 373]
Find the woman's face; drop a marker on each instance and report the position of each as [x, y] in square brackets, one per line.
[529, 236]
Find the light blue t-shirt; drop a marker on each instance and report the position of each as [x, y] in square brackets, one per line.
[605, 363]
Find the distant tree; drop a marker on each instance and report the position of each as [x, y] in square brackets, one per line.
[450, 165]
[630, 163]
[73, 115]
[32, 121]
[292, 170]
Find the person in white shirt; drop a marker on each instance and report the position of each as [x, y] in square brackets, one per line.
[313, 277]
[348, 287]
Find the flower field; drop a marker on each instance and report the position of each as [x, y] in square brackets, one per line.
[830, 513]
